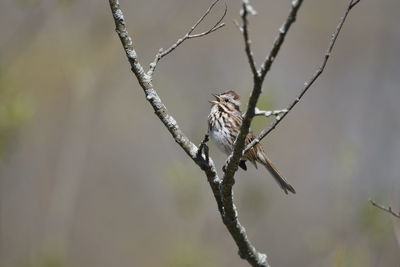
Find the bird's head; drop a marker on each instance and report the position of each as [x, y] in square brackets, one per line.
[229, 101]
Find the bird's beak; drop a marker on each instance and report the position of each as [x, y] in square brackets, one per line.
[215, 102]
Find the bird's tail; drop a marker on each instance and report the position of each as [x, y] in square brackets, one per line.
[264, 160]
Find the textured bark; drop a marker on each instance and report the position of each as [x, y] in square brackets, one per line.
[222, 189]
[246, 250]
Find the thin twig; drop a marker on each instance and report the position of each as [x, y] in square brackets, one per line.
[162, 53]
[307, 84]
[354, 3]
[387, 209]
[238, 26]
[246, 7]
[268, 113]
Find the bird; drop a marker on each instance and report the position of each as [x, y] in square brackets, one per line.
[224, 122]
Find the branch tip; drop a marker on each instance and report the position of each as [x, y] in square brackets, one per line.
[189, 35]
[353, 4]
[386, 209]
[314, 77]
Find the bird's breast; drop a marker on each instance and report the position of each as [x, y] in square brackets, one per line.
[220, 135]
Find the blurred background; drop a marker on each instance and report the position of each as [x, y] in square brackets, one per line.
[90, 177]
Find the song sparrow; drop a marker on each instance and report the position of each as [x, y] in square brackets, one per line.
[224, 124]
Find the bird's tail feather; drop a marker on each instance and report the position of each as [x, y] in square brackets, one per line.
[284, 184]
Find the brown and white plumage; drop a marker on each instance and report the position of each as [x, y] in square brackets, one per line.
[224, 124]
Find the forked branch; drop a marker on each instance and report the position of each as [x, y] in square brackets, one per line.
[311, 81]
[222, 190]
[252, 256]
[198, 155]
[144, 79]
[189, 35]
[259, 76]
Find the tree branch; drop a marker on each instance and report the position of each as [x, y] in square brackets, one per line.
[310, 82]
[246, 8]
[258, 77]
[387, 209]
[222, 190]
[252, 256]
[234, 158]
[162, 53]
[237, 153]
[354, 3]
[159, 108]
[268, 113]
[199, 156]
